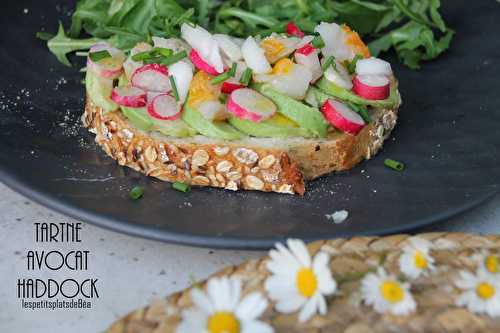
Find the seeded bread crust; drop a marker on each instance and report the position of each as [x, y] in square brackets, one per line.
[269, 165]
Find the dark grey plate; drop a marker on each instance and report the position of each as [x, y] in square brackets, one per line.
[448, 136]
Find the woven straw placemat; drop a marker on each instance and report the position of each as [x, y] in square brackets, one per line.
[350, 261]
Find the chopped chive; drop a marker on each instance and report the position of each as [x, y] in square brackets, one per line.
[329, 62]
[318, 42]
[136, 192]
[246, 77]
[99, 55]
[393, 164]
[153, 60]
[232, 71]
[180, 187]
[174, 88]
[141, 56]
[351, 67]
[167, 61]
[163, 51]
[223, 98]
[221, 78]
[82, 54]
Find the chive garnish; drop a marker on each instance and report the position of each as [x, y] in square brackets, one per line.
[81, 54]
[141, 56]
[167, 61]
[351, 67]
[232, 71]
[174, 88]
[163, 51]
[318, 42]
[136, 192]
[393, 164]
[329, 62]
[99, 55]
[246, 76]
[221, 78]
[180, 187]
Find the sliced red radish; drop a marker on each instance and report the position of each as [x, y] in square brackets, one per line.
[342, 117]
[248, 104]
[164, 107]
[129, 96]
[109, 68]
[373, 66]
[306, 49]
[152, 77]
[230, 85]
[201, 64]
[293, 30]
[213, 110]
[372, 87]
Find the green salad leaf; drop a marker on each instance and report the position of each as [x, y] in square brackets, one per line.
[414, 29]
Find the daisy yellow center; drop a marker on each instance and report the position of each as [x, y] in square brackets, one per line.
[420, 260]
[223, 322]
[306, 282]
[485, 290]
[392, 292]
[491, 263]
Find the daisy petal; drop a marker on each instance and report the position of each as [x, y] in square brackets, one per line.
[308, 310]
[256, 326]
[200, 299]
[300, 251]
[290, 304]
[235, 292]
[251, 307]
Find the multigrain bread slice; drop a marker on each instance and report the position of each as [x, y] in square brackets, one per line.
[269, 165]
[350, 261]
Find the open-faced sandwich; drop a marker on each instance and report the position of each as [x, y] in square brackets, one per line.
[255, 114]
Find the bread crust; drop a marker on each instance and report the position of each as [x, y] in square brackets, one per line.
[235, 165]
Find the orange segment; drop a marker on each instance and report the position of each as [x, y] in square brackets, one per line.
[354, 41]
[273, 48]
[202, 90]
[284, 66]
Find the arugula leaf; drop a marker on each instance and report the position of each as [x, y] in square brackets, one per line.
[413, 28]
[60, 45]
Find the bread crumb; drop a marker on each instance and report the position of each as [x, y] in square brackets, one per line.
[338, 217]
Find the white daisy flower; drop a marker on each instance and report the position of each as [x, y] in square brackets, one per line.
[220, 310]
[481, 292]
[299, 282]
[487, 261]
[416, 260]
[386, 294]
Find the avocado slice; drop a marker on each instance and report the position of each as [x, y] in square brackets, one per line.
[269, 128]
[220, 130]
[142, 120]
[99, 91]
[305, 116]
[343, 94]
[139, 117]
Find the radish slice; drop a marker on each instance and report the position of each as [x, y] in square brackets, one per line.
[250, 105]
[229, 48]
[294, 30]
[109, 68]
[372, 87]
[202, 64]
[129, 96]
[342, 117]
[308, 57]
[373, 66]
[130, 66]
[183, 75]
[339, 77]
[152, 77]
[230, 86]
[164, 107]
